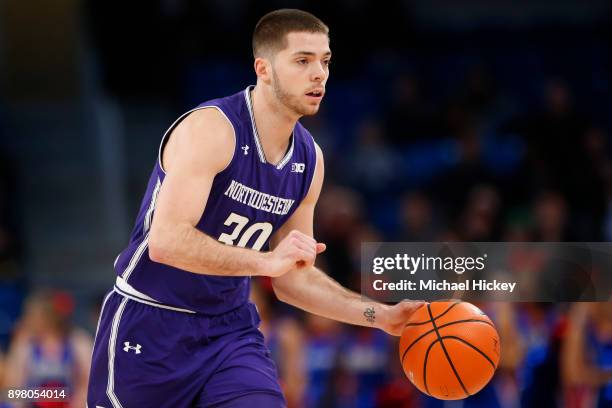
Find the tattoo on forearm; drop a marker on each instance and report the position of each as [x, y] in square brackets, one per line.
[370, 314]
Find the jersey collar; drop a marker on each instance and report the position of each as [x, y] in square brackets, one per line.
[260, 152]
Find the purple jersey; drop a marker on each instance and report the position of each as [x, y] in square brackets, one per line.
[249, 200]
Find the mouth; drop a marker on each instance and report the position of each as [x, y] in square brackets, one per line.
[316, 94]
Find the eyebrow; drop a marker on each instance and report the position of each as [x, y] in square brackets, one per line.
[310, 53]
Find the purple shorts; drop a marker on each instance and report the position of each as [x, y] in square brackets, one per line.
[150, 356]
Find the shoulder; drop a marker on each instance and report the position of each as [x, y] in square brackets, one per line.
[318, 153]
[209, 120]
[232, 107]
[319, 173]
[316, 175]
[219, 119]
[313, 152]
[205, 135]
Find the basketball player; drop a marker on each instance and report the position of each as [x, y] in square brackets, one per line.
[233, 176]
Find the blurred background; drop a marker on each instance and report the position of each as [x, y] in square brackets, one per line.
[444, 120]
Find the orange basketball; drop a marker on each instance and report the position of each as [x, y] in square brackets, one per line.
[449, 350]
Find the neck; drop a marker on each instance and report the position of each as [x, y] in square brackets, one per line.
[274, 123]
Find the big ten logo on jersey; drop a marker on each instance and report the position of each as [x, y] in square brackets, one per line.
[298, 167]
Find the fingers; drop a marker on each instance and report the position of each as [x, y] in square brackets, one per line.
[319, 247]
[305, 246]
[302, 237]
[301, 248]
[414, 302]
[411, 306]
[413, 310]
[305, 254]
[303, 241]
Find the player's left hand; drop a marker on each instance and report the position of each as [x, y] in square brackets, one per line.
[397, 315]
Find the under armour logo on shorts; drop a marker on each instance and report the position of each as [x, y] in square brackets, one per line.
[136, 348]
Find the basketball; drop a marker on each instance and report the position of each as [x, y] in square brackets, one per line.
[449, 350]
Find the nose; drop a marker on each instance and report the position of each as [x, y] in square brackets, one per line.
[319, 72]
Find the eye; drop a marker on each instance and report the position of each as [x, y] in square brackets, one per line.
[327, 63]
[302, 61]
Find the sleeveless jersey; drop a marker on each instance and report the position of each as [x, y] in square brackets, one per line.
[249, 200]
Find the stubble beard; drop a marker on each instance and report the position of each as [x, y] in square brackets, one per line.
[289, 101]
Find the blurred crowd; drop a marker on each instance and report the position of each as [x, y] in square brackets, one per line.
[539, 176]
[48, 351]
[422, 142]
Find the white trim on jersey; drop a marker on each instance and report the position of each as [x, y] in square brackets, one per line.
[136, 257]
[145, 242]
[98, 327]
[126, 290]
[314, 145]
[288, 155]
[129, 289]
[110, 387]
[100, 316]
[149, 214]
[171, 128]
[262, 156]
[247, 97]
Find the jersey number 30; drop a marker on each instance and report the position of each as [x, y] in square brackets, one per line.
[264, 229]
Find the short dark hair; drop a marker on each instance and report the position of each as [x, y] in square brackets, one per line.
[271, 30]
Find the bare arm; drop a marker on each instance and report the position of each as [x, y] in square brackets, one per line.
[313, 290]
[201, 146]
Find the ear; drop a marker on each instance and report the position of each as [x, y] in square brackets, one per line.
[263, 69]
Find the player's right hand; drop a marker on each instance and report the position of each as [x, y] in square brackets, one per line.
[296, 251]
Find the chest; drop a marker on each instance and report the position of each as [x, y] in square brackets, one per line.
[252, 200]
